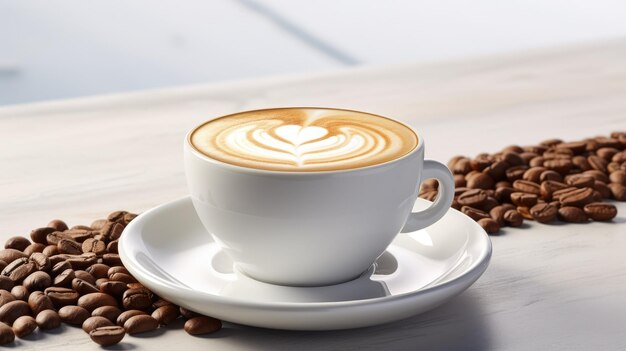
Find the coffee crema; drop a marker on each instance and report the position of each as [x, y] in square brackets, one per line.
[303, 139]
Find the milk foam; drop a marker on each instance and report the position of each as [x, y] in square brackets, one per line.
[296, 139]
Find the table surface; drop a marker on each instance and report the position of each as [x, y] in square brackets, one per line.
[548, 286]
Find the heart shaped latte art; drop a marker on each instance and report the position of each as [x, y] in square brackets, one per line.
[303, 141]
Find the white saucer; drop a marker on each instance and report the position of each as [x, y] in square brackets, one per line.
[168, 250]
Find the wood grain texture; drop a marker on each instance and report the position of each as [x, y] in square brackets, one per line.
[553, 287]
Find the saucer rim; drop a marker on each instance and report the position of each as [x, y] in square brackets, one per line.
[471, 273]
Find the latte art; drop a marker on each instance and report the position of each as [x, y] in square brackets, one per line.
[299, 139]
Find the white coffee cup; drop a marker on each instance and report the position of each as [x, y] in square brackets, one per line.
[312, 228]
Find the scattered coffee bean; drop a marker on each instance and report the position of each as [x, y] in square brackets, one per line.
[166, 314]
[38, 280]
[94, 322]
[69, 246]
[97, 299]
[106, 336]
[98, 270]
[113, 288]
[6, 334]
[599, 211]
[140, 324]
[48, 319]
[93, 245]
[41, 261]
[58, 225]
[489, 225]
[111, 259]
[40, 235]
[137, 299]
[126, 315]
[64, 279]
[12, 310]
[24, 326]
[188, 314]
[83, 287]
[546, 177]
[572, 214]
[17, 242]
[205, 325]
[74, 315]
[6, 283]
[20, 293]
[62, 296]
[109, 312]
[38, 301]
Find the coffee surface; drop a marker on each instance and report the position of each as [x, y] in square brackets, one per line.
[303, 139]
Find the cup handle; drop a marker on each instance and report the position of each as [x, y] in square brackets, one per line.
[445, 194]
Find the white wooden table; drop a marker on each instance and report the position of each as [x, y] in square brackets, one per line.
[549, 287]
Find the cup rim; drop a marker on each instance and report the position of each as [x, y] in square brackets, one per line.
[198, 153]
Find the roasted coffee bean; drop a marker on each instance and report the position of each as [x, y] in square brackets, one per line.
[94, 322]
[117, 216]
[597, 175]
[34, 248]
[12, 310]
[74, 315]
[24, 326]
[474, 197]
[41, 261]
[204, 325]
[109, 312]
[48, 319]
[122, 277]
[188, 314]
[5, 297]
[429, 195]
[524, 199]
[618, 177]
[602, 188]
[39, 235]
[38, 301]
[68, 246]
[578, 197]
[461, 166]
[17, 242]
[62, 296]
[58, 225]
[6, 283]
[111, 259]
[51, 250]
[81, 227]
[128, 217]
[597, 163]
[557, 194]
[117, 269]
[6, 334]
[86, 276]
[474, 213]
[480, 181]
[10, 255]
[580, 181]
[576, 147]
[37, 281]
[140, 324]
[599, 211]
[161, 302]
[137, 299]
[83, 287]
[112, 230]
[166, 314]
[527, 187]
[572, 214]
[515, 173]
[524, 212]
[95, 300]
[113, 288]
[537, 161]
[3, 265]
[544, 213]
[82, 261]
[459, 181]
[20, 293]
[135, 285]
[19, 269]
[550, 175]
[98, 224]
[497, 171]
[489, 204]
[126, 315]
[559, 165]
[481, 162]
[98, 270]
[64, 279]
[93, 245]
[60, 267]
[54, 237]
[618, 191]
[107, 336]
[503, 194]
[489, 225]
[112, 247]
[533, 174]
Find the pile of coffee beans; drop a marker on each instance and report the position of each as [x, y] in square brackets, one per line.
[553, 180]
[75, 276]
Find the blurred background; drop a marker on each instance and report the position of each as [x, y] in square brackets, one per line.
[72, 48]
